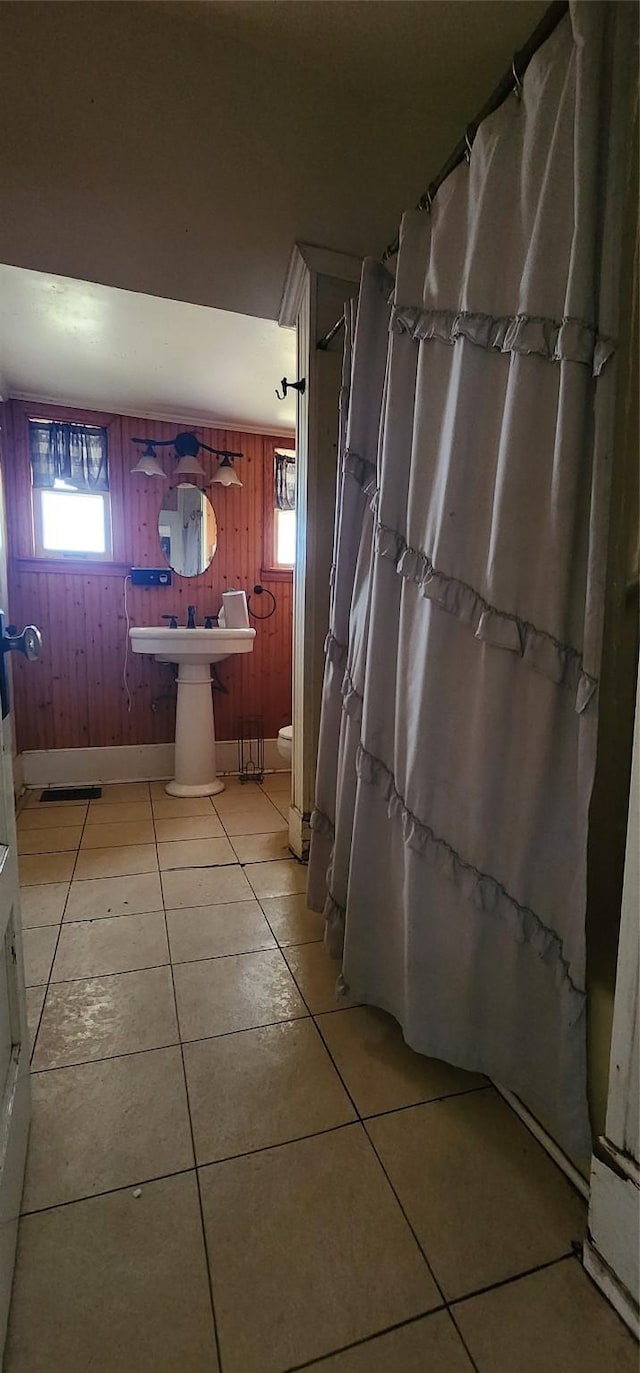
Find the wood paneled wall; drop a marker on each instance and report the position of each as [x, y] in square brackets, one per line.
[75, 696]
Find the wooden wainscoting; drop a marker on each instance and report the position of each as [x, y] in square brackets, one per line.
[75, 696]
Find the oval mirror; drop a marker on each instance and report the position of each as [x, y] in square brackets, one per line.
[188, 530]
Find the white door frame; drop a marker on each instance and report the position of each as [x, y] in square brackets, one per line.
[317, 284]
[15, 1097]
[612, 1248]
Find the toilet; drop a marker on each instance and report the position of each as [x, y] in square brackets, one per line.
[285, 742]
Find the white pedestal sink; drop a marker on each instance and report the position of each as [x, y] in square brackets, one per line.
[193, 650]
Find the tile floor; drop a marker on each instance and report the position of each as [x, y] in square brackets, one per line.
[228, 1170]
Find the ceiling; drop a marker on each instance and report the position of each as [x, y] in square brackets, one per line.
[409, 49]
[179, 149]
[100, 348]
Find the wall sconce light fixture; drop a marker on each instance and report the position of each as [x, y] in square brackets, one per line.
[187, 447]
[225, 474]
[148, 463]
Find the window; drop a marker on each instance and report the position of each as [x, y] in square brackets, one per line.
[279, 512]
[285, 539]
[70, 486]
[284, 505]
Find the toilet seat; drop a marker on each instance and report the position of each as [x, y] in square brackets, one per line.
[285, 742]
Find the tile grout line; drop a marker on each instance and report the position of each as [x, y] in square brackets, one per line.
[409, 1223]
[492, 1287]
[445, 1305]
[251, 1029]
[449, 1303]
[427, 1101]
[463, 1340]
[55, 951]
[193, 1167]
[175, 1043]
[361, 1122]
[366, 1339]
[513, 1277]
[60, 925]
[193, 867]
[216, 1334]
[107, 1192]
[290, 945]
[177, 910]
[119, 972]
[149, 967]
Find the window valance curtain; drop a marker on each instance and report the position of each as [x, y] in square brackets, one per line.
[285, 481]
[460, 706]
[72, 456]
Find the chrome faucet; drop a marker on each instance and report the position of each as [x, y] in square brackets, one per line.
[191, 617]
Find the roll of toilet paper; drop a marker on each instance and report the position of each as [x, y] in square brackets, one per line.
[236, 614]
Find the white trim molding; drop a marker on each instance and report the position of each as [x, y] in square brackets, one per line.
[68, 767]
[173, 416]
[299, 833]
[612, 1249]
[317, 284]
[18, 775]
[307, 260]
[562, 1160]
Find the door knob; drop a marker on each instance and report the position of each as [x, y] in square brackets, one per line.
[29, 642]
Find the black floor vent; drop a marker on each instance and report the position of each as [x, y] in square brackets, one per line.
[72, 794]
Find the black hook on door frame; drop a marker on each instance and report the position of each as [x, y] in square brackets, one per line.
[299, 386]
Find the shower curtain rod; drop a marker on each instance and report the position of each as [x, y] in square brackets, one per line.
[510, 83]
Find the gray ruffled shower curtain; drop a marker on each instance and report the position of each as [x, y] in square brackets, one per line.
[459, 722]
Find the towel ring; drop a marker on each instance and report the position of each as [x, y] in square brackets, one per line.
[259, 591]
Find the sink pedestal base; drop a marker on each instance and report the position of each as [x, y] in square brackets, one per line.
[195, 757]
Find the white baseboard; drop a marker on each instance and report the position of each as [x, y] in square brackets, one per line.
[18, 775]
[611, 1287]
[611, 1251]
[543, 1137]
[70, 767]
[299, 834]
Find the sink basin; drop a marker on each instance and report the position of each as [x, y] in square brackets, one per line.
[191, 645]
[193, 650]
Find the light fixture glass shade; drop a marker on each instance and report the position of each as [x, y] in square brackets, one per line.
[189, 466]
[225, 475]
[149, 467]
